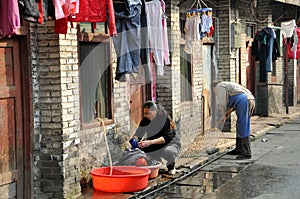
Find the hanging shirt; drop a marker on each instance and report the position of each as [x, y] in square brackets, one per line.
[298, 43]
[294, 45]
[154, 20]
[266, 39]
[95, 11]
[287, 28]
[64, 8]
[206, 23]
[192, 32]
[36, 10]
[9, 18]
[211, 29]
[165, 35]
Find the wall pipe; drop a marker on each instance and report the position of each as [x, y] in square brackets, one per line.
[286, 77]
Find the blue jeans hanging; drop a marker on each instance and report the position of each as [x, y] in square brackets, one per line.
[127, 42]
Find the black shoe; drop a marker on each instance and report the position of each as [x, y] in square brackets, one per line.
[234, 152]
[171, 166]
[243, 157]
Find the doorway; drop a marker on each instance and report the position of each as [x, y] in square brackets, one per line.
[15, 143]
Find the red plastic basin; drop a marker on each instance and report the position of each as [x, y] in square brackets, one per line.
[123, 179]
[153, 168]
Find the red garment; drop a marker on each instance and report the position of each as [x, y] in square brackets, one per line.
[61, 25]
[298, 44]
[211, 30]
[293, 54]
[95, 11]
[9, 18]
[41, 12]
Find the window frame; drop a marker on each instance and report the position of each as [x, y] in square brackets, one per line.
[91, 37]
[186, 96]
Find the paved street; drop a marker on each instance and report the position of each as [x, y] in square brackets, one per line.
[275, 167]
[272, 173]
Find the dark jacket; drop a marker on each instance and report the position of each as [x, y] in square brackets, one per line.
[36, 11]
[158, 127]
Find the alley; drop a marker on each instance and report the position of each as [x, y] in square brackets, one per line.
[273, 171]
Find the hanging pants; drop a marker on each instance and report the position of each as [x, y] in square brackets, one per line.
[240, 104]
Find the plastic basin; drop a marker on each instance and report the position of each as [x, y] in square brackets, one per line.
[154, 169]
[123, 178]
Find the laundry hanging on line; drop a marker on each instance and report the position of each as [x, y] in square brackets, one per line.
[292, 35]
[266, 50]
[158, 36]
[9, 18]
[192, 31]
[199, 23]
[141, 29]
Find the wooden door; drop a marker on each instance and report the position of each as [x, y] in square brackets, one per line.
[139, 93]
[250, 69]
[11, 122]
[136, 105]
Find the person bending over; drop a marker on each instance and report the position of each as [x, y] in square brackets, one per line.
[234, 97]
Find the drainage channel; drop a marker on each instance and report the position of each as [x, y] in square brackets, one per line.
[193, 183]
[197, 182]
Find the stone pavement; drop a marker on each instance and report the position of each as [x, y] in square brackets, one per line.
[187, 164]
[259, 126]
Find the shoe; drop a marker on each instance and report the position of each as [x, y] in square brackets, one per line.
[234, 152]
[243, 157]
[172, 171]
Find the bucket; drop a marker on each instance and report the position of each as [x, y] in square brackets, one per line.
[153, 168]
[123, 179]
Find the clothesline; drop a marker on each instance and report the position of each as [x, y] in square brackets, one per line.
[274, 27]
[198, 6]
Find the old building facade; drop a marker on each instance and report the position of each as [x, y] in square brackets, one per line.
[57, 138]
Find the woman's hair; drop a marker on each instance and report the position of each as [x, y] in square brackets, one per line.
[162, 111]
[150, 105]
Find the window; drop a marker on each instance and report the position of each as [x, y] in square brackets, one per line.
[95, 81]
[185, 75]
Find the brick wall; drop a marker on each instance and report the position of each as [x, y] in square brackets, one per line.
[93, 152]
[188, 114]
[224, 45]
[292, 65]
[55, 112]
